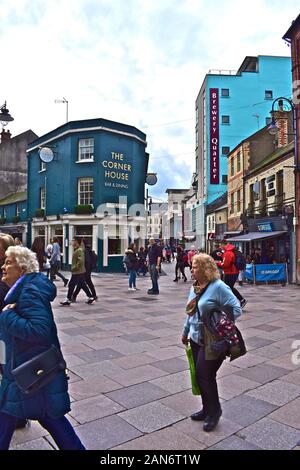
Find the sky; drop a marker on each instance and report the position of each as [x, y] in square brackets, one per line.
[140, 62]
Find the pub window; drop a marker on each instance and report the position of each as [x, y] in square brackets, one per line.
[85, 232]
[114, 241]
[225, 119]
[86, 150]
[85, 190]
[43, 197]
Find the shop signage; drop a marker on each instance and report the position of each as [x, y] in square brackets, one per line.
[270, 272]
[265, 227]
[117, 169]
[211, 236]
[214, 135]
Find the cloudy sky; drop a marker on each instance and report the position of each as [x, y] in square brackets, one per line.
[140, 62]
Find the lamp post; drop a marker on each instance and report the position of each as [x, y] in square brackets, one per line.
[5, 117]
[273, 129]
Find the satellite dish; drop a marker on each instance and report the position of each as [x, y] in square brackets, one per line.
[151, 179]
[46, 154]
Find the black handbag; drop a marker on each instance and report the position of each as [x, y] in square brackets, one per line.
[37, 372]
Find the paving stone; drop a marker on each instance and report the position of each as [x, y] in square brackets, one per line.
[184, 403]
[270, 435]
[234, 443]
[137, 338]
[276, 392]
[174, 383]
[99, 355]
[172, 365]
[233, 385]
[151, 417]
[138, 375]
[257, 342]
[262, 373]
[245, 410]
[288, 414]
[134, 360]
[284, 361]
[164, 439]
[92, 386]
[35, 444]
[225, 428]
[292, 377]
[107, 368]
[267, 327]
[94, 408]
[167, 353]
[137, 395]
[106, 432]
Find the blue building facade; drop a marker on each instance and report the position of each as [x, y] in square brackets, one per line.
[229, 107]
[93, 187]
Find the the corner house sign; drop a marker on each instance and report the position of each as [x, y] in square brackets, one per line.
[265, 227]
[116, 170]
[214, 135]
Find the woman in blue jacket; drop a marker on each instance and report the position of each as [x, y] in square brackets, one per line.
[27, 328]
[208, 294]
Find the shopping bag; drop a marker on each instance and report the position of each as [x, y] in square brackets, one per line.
[195, 386]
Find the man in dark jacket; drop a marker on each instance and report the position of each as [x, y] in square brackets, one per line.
[154, 259]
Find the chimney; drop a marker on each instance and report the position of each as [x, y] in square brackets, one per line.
[5, 135]
[283, 119]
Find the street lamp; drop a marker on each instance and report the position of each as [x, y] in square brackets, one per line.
[273, 129]
[67, 107]
[5, 117]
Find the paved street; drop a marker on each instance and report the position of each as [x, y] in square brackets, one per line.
[129, 381]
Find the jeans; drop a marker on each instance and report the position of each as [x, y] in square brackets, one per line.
[154, 278]
[132, 277]
[230, 280]
[60, 429]
[206, 373]
[89, 283]
[79, 281]
[54, 271]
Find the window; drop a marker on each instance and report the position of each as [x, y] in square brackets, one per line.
[85, 190]
[238, 203]
[225, 150]
[224, 179]
[42, 166]
[268, 94]
[225, 92]
[232, 203]
[86, 149]
[268, 121]
[85, 232]
[114, 240]
[232, 166]
[238, 162]
[197, 117]
[43, 198]
[225, 119]
[197, 138]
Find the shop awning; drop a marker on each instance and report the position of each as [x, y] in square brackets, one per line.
[248, 237]
[233, 232]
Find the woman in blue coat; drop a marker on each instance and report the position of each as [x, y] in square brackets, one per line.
[27, 327]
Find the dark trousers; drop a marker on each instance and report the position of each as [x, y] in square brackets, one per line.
[89, 282]
[54, 271]
[79, 281]
[206, 373]
[60, 429]
[230, 280]
[154, 278]
[179, 267]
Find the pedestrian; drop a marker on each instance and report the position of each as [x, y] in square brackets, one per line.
[90, 262]
[28, 329]
[142, 261]
[131, 262]
[55, 262]
[78, 274]
[180, 265]
[17, 242]
[231, 272]
[154, 260]
[38, 247]
[192, 252]
[208, 295]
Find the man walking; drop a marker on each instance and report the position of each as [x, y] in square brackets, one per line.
[154, 260]
[55, 262]
[78, 273]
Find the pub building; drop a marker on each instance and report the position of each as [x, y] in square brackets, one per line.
[87, 178]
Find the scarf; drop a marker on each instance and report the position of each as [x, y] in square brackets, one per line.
[191, 307]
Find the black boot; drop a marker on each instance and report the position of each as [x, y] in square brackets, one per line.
[175, 280]
[199, 416]
[211, 421]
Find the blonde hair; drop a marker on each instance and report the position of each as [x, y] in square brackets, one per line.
[6, 240]
[24, 257]
[208, 268]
